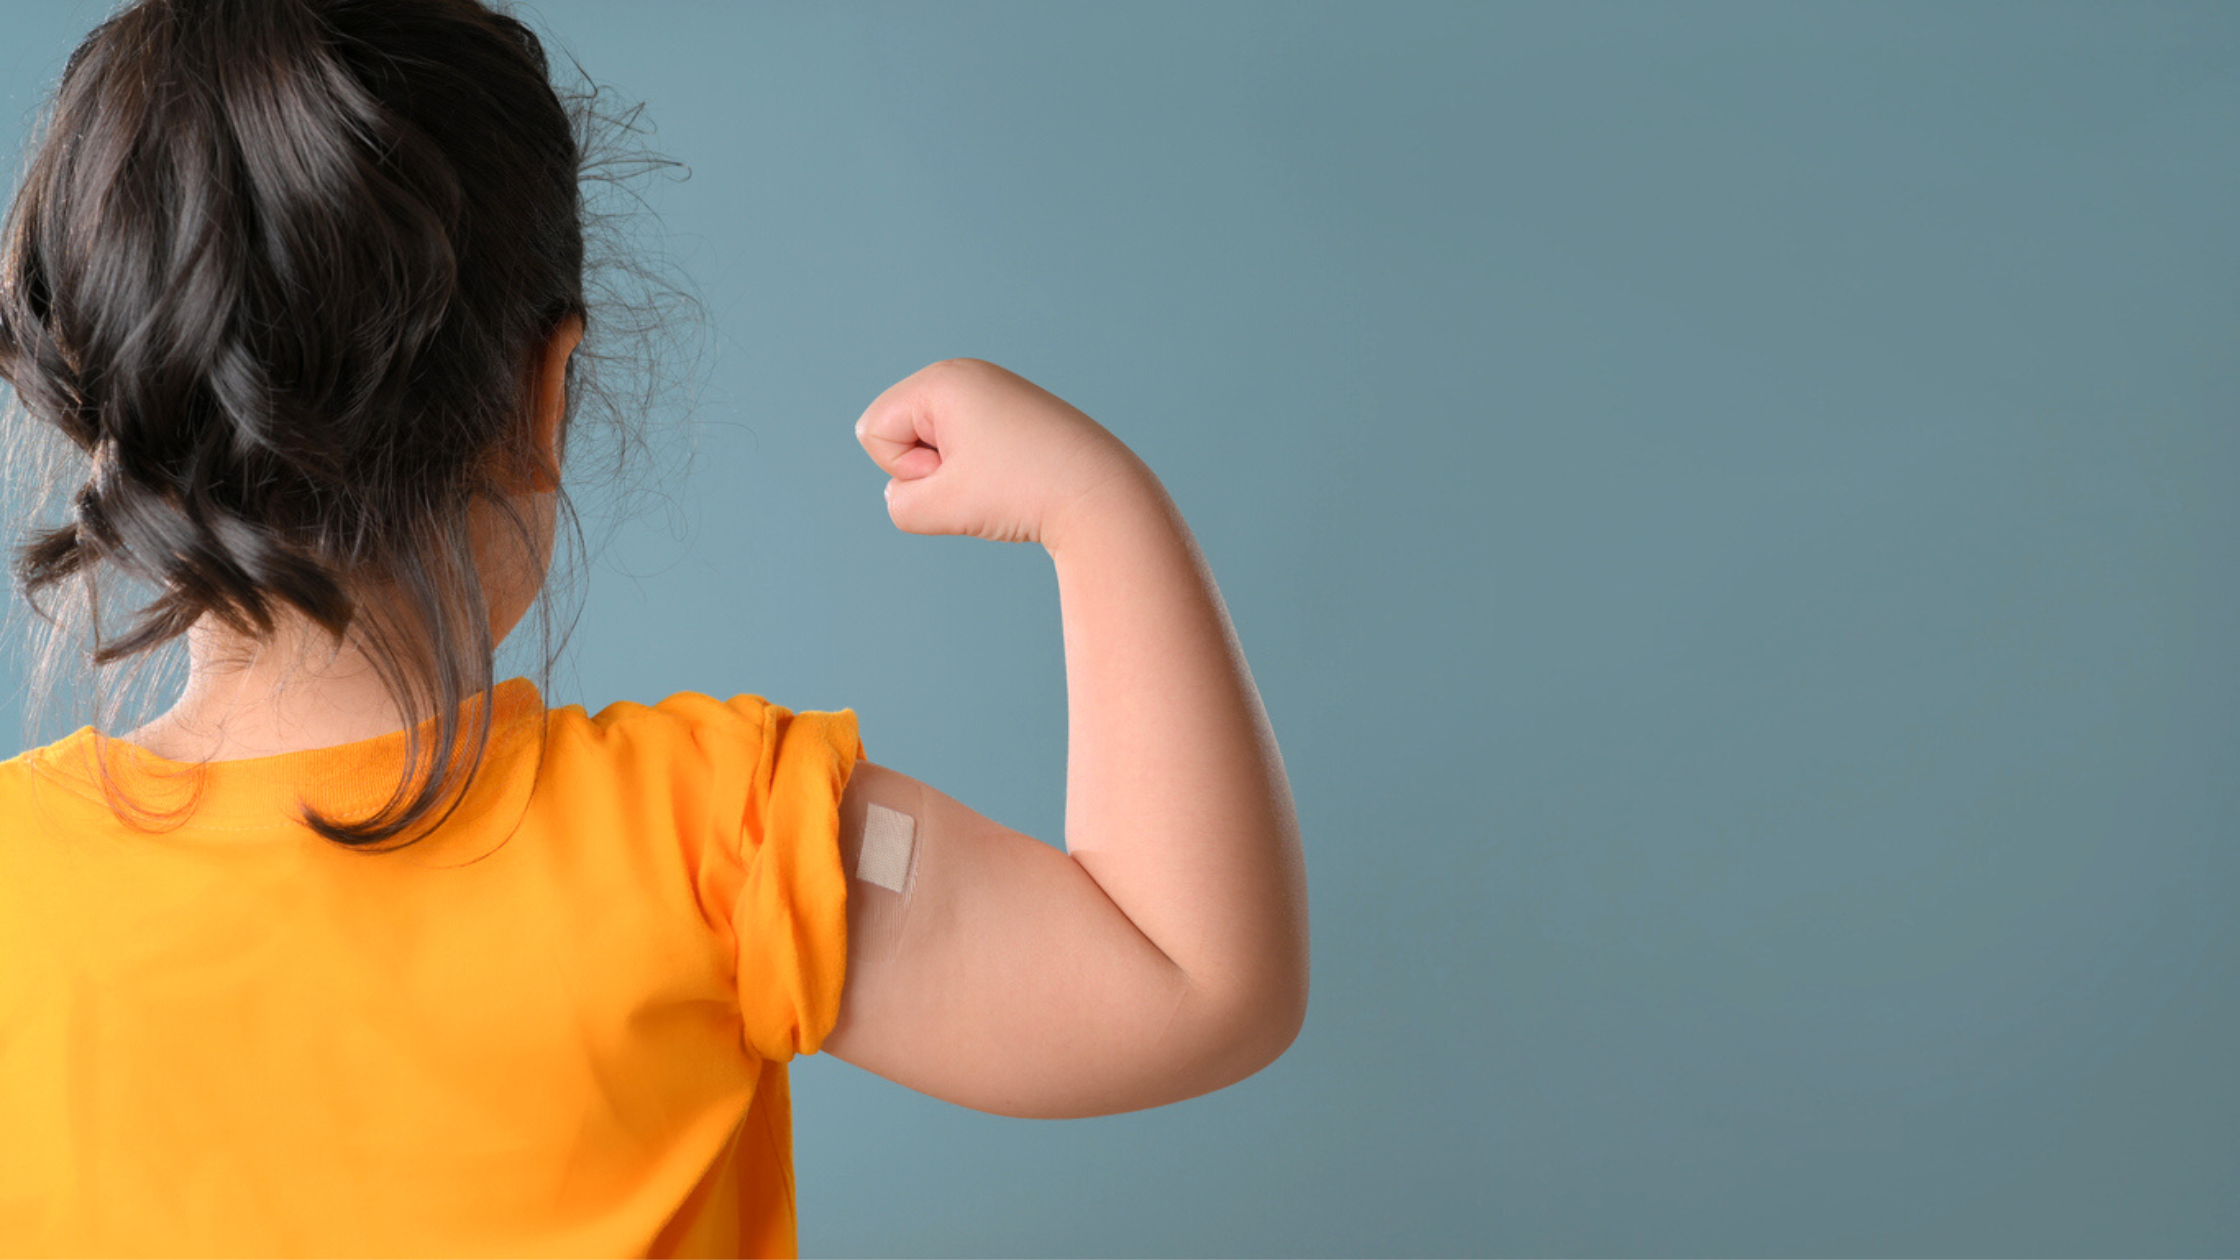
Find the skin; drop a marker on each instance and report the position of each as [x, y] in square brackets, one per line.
[302, 689]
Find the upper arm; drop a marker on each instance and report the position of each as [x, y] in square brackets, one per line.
[1003, 979]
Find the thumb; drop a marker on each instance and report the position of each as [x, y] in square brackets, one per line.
[912, 481]
[914, 504]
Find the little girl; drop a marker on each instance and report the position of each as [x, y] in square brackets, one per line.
[358, 950]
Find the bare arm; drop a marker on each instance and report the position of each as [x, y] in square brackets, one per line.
[1163, 954]
[1176, 797]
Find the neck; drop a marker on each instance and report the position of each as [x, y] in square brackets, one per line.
[246, 698]
[301, 689]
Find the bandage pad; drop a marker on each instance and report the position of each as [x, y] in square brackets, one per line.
[889, 842]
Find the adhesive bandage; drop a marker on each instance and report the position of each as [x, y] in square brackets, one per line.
[882, 845]
[889, 842]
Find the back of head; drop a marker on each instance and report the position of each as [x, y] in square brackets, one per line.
[278, 269]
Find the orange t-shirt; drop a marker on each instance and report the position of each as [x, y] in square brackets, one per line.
[558, 1026]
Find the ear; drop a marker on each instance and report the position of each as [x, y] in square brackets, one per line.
[551, 401]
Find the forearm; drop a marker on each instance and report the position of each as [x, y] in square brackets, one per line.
[1176, 797]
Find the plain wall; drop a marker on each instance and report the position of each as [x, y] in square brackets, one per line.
[1732, 510]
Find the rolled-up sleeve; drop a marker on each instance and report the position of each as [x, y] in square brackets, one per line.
[791, 915]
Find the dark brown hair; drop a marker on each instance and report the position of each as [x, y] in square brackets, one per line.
[279, 271]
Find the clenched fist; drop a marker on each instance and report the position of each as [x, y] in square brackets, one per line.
[974, 449]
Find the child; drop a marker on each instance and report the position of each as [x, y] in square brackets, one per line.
[407, 962]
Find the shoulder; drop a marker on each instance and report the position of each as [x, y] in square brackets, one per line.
[745, 734]
[684, 721]
[694, 715]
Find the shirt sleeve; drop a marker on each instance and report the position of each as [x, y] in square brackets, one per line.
[791, 913]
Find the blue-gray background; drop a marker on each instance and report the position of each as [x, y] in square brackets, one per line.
[1734, 511]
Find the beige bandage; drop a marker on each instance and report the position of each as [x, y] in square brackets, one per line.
[889, 842]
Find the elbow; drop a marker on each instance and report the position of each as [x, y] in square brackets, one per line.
[1288, 1009]
[1293, 1022]
[1245, 1039]
[1270, 1041]
[1276, 1027]
[1248, 1023]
